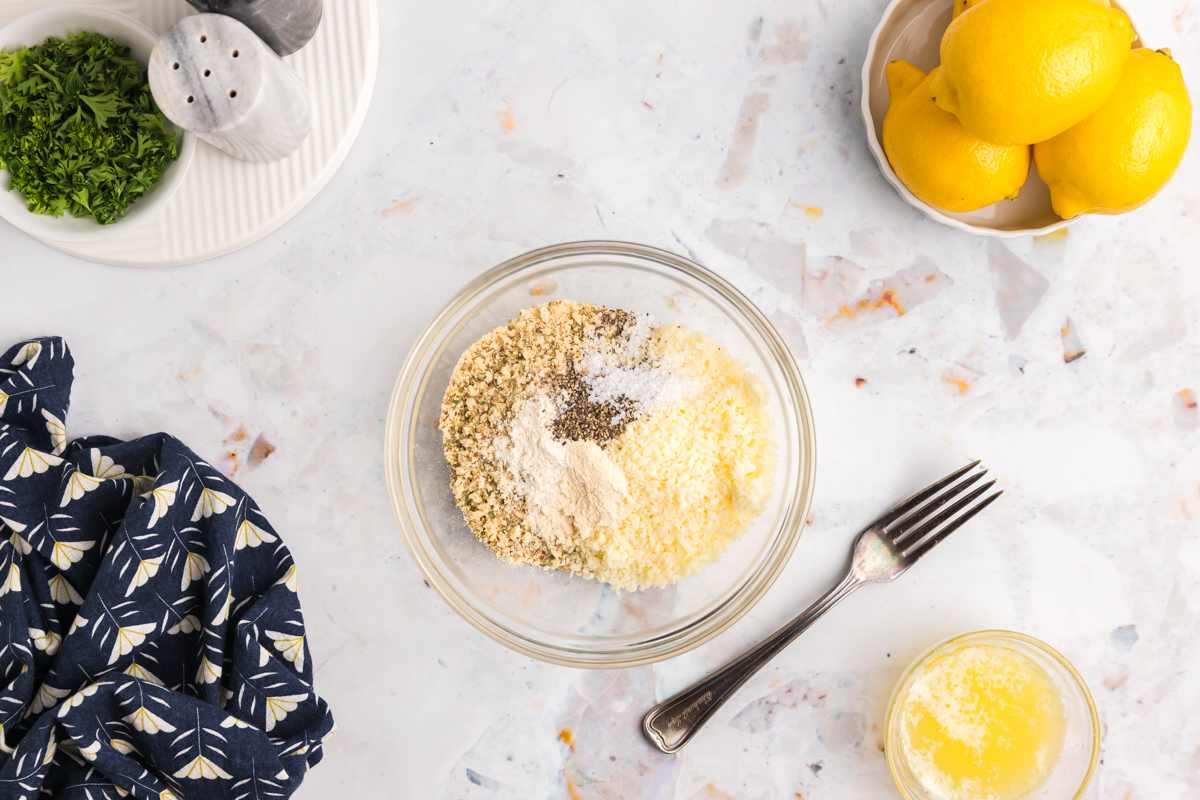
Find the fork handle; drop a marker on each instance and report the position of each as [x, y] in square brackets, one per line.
[672, 723]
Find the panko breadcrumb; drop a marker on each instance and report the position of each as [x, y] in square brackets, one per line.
[536, 350]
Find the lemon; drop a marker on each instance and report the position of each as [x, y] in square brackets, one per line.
[962, 5]
[1023, 71]
[935, 157]
[1121, 156]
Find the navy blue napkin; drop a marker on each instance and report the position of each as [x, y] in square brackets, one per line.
[151, 640]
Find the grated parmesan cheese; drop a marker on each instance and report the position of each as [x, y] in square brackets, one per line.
[700, 468]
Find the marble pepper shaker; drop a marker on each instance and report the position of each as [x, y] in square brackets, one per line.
[215, 77]
[286, 25]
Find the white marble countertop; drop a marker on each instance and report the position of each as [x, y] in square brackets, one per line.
[729, 132]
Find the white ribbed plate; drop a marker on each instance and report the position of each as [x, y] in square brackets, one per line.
[225, 204]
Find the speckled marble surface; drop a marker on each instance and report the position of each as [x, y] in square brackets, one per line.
[730, 132]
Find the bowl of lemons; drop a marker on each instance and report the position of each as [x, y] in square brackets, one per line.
[1017, 117]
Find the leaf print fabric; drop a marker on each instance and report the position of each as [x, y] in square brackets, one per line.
[151, 640]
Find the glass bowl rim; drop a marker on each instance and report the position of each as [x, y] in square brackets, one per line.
[994, 633]
[798, 498]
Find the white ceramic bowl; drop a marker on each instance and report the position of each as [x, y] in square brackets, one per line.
[912, 30]
[32, 29]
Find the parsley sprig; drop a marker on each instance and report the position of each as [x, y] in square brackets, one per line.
[79, 129]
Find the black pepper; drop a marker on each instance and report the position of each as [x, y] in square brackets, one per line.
[580, 419]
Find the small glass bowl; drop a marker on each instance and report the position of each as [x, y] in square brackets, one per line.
[561, 618]
[1073, 771]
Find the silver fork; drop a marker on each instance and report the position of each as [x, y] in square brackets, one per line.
[882, 553]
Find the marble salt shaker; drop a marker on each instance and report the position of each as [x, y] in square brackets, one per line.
[286, 25]
[215, 77]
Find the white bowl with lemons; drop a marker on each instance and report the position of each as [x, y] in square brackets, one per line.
[912, 30]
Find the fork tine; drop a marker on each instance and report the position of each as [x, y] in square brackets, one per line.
[920, 548]
[923, 495]
[932, 523]
[902, 528]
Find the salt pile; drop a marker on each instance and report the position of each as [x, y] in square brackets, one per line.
[630, 374]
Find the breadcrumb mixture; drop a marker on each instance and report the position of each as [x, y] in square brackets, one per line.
[534, 352]
[683, 421]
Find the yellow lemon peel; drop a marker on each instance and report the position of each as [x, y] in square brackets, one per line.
[1121, 156]
[1023, 71]
[962, 5]
[939, 161]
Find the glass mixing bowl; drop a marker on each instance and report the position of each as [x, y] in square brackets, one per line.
[552, 615]
[1070, 775]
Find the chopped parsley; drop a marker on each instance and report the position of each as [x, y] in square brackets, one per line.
[79, 129]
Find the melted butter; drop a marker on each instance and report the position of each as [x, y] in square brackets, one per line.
[982, 723]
